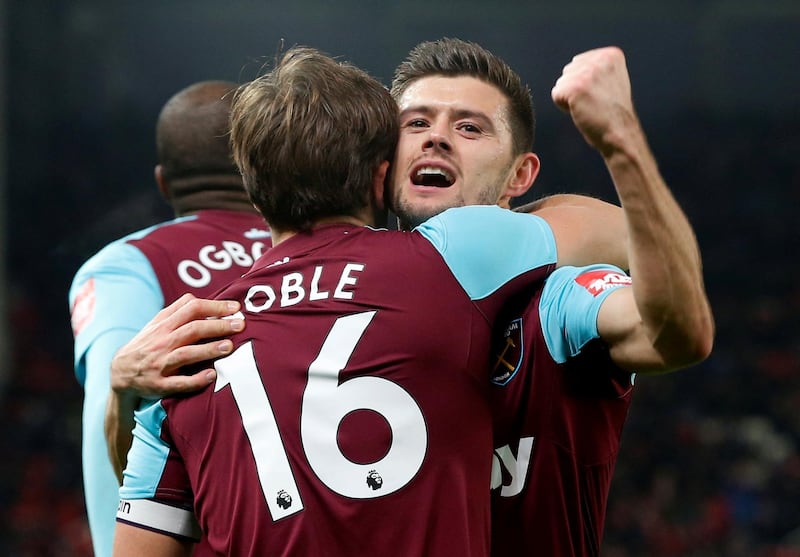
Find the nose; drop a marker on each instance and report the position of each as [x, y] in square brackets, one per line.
[437, 140]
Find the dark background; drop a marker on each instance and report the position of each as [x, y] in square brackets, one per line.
[710, 462]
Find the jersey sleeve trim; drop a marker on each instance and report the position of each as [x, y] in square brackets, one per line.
[160, 517]
[569, 305]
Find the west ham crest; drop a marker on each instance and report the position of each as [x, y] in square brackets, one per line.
[507, 353]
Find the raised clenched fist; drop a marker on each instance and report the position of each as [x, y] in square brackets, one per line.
[594, 88]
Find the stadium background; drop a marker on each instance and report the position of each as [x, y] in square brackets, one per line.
[710, 463]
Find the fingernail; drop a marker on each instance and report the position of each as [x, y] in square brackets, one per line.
[225, 346]
[211, 375]
[233, 306]
[237, 324]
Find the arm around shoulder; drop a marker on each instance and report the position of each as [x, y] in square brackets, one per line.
[149, 365]
[587, 230]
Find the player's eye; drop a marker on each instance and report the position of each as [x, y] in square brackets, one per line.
[416, 123]
[469, 127]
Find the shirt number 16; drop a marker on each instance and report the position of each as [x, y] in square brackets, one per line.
[325, 404]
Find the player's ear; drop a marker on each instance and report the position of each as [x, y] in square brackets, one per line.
[380, 213]
[379, 184]
[158, 172]
[521, 178]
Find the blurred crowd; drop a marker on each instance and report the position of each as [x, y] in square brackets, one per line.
[710, 460]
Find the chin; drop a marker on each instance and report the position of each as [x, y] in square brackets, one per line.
[414, 207]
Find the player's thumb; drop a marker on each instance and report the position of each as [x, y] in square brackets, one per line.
[560, 98]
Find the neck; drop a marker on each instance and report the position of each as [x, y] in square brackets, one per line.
[279, 236]
[229, 200]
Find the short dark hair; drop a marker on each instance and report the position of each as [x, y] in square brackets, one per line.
[456, 57]
[192, 132]
[308, 137]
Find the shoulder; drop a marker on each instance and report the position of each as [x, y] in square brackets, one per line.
[486, 247]
[121, 249]
[474, 219]
[117, 256]
[489, 228]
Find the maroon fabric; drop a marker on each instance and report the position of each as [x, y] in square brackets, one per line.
[575, 413]
[203, 254]
[426, 339]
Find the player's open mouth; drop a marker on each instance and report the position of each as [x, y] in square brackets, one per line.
[432, 176]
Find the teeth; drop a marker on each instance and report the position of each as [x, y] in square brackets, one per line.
[434, 171]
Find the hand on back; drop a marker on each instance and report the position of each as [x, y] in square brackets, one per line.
[149, 364]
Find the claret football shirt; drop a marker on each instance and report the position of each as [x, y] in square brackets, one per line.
[352, 417]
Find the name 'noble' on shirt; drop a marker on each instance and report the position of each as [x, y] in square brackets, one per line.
[295, 287]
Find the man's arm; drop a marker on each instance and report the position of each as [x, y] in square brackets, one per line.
[131, 541]
[148, 366]
[112, 295]
[587, 230]
[664, 322]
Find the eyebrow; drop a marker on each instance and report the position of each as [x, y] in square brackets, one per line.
[458, 113]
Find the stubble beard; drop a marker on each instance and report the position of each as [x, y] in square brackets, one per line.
[410, 215]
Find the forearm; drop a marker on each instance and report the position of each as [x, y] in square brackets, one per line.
[666, 322]
[119, 424]
[663, 254]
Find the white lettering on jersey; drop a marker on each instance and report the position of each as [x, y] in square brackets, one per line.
[516, 467]
[291, 289]
[261, 297]
[347, 280]
[197, 273]
[315, 293]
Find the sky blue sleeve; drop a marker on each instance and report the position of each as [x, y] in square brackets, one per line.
[486, 246]
[112, 297]
[569, 305]
[100, 483]
[115, 289]
[148, 455]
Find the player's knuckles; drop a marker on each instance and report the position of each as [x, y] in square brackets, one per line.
[176, 359]
[197, 329]
[200, 307]
[189, 355]
[195, 308]
[223, 326]
[152, 342]
[153, 362]
[216, 327]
